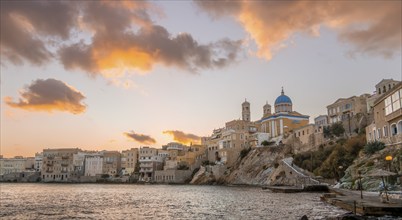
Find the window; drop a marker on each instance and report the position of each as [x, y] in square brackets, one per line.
[383, 89]
[388, 106]
[394, 130]
[395, 101]
[385, 131]
[379, 133]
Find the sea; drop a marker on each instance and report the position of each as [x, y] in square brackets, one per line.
[131, 201]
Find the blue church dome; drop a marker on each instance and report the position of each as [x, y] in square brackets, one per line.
[283, 99]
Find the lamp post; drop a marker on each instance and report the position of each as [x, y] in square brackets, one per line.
[389, 159]
[360, 184]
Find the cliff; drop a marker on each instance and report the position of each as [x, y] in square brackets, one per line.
[261, 166]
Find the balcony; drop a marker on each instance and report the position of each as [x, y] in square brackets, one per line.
[65, 157]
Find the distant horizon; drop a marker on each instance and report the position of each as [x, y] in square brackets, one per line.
[151, 73]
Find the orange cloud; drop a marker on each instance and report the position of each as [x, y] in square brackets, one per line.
[49, 95]
[371, 27]
[184, 138]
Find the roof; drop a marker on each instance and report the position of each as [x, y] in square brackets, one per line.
[385, 80]
[283, 99]
[384, 95]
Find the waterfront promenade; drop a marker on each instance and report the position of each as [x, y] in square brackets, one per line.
[371, 204]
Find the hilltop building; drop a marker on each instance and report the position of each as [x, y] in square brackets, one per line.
[284, 119]
[387, 124]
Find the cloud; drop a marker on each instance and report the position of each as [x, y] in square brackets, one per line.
[25, 23]
[126, 40]
[147, 47]
[49, 95]
[371, 27]
[140, 138]
[184, 138]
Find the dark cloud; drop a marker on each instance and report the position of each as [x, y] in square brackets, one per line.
[123, 36]
[140, 138]
[184, 138]
[25, 24]
[49, 95]
[371, 27]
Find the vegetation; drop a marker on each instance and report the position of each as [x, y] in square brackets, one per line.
[335, 129]
[194, 172]
[267, 143]
[244, 152]
[182, 167]
[373, 147]
[206, 163]
[330, 161]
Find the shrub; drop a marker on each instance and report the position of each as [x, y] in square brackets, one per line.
[337, 129]
[206, 163]
[194, 172]
[182, 167]
[244, 152]
[373, 147]
[267, 143]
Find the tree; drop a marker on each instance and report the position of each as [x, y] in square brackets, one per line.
[337, 129]
[373, 147]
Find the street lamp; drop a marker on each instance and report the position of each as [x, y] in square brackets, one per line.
[360, 184]
[389, 159]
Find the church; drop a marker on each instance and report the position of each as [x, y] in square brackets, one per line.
[284, 119]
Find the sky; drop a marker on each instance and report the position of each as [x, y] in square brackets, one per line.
[120, 74]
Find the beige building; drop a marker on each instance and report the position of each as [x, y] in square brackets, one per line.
[129, 160]
[58, 164]
[149, 163]
[387, 125]
[12, 165]
[350, 111]
[111, 162]
[172, 176]
[382, 87]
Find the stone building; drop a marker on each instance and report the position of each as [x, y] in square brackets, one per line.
[111, 162]
[129, 160]
[351, 112]
[387, 125]
[320, 123]
[149, 163]
[12, 165]
[58, 164]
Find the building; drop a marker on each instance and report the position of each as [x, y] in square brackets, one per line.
[38, 161]
[387, 125]
[284, 120]
[111, 163]
[129, 160]
[58, 164]
[12, 165]
[382, 87]
[385, 85]
[149, 163]
[320, 123]
[172, 176]
[351, 112]
[93, 165]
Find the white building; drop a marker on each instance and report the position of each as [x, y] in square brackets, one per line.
[12, 165]
[38, 162]
[93, 165]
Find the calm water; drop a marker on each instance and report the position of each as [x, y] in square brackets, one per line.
[96, 201]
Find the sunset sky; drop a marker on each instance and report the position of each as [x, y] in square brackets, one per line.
[121, 74]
